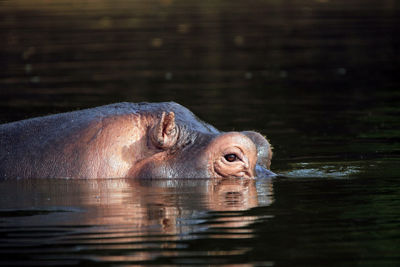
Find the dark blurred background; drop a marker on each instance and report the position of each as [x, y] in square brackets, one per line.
[318, 77]
[313, 75]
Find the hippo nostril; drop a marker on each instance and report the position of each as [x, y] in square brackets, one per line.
[262, 172]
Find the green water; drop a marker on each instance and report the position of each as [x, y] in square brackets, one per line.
[319, 78]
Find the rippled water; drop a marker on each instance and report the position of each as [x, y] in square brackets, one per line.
[256, 222]
[319, 78]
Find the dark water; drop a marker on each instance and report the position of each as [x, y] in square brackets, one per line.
[319, 78]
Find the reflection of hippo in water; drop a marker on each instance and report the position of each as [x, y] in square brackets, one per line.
[129, 140]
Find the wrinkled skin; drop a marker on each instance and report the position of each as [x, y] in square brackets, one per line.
[144, 140]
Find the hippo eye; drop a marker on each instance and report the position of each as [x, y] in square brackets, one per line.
[231, 157]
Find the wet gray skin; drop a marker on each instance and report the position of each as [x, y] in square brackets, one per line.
[144, 140]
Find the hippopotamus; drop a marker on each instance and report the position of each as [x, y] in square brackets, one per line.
[129, 140]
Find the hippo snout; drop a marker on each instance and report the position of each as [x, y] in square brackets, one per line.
[262, 172]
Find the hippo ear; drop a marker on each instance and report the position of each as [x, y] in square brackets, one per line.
[164, 134]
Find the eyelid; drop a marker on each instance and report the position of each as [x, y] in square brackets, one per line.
[240, 157]
[234, 149]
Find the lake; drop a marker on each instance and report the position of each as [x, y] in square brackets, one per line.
[319, 78]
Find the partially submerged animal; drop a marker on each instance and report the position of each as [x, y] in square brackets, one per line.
[144, 140]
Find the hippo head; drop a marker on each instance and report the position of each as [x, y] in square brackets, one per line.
[184, 146]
